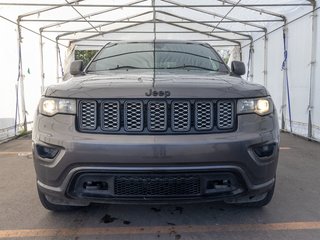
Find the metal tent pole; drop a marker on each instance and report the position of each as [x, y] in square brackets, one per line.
[154, 40]
[28, 29]
[207, 25]
[41, 62]
[37, 12]
[284, 92]
[160, 21]
[57, 60]
[102, 34]
[117, 40]
[214, 14]
[21, 79]
[259, 10]
[144, 32]
[286, 103]
[206, 34]
[275, 5]
[314, 45]
[125, 21]
[270, 13]
[252, 63]
[103, 25]
[82, 16]
[265, 68]
[89, 15]
[226, 15]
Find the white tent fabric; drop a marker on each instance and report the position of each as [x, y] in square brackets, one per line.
[255, 27]
[235, 55]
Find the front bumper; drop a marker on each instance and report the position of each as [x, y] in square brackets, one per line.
[202, 154]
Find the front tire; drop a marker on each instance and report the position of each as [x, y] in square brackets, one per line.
[54, 207]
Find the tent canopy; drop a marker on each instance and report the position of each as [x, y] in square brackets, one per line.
[255, 31]
[92, 22]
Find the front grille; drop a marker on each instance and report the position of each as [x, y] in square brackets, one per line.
[147, 186]
[156, 116]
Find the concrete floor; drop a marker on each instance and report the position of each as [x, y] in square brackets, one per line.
[294, 212]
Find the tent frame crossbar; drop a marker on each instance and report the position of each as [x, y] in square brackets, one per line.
[214, 14]
[113, 21]
[117, 40]
[37, 12]
[258, 10]
[173, 4]
[249, 37]
[201, 40]
[138, 24]
[157, 6]
[89, 15]
[106, 24]
[146, 32]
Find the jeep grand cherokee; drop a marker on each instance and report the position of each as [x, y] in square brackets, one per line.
[155, 122]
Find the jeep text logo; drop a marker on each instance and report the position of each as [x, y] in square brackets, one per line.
[158, 93]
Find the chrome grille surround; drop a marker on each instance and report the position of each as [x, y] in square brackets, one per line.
[156, 116]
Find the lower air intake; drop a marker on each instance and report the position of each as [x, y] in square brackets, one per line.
[154, 186]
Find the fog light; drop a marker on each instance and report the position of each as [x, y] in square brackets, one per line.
[46, 152]
[264, 150]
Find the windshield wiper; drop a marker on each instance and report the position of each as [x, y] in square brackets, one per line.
[192, 66]
[122, 67]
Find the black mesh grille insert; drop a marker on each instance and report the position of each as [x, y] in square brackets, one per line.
[88, 115]
[157, 116]
[133, 116]
[181, 116]
[110, 116]
[145, 186]
[225, 115]
[204, 115]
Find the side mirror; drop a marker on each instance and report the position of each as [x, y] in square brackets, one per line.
[76, 67]
[238, 68]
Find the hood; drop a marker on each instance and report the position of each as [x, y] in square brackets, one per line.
[192, 84]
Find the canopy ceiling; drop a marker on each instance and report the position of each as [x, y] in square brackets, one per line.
[93, 22]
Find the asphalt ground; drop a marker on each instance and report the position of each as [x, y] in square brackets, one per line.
[294, 212]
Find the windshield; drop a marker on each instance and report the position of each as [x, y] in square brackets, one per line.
[187, 56]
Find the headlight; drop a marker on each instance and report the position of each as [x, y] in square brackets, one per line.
[52, 106]
[261, 106]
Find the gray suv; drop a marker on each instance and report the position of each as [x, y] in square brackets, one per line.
[155, 122]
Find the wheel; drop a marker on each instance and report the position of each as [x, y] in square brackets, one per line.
[261, 203]
[54, 207]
